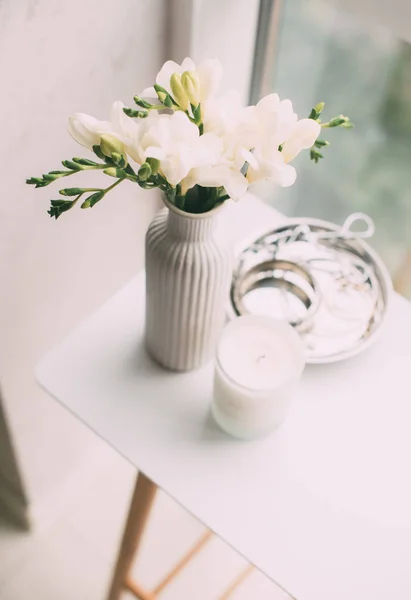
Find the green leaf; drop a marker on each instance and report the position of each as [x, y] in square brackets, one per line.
[179, 201]
[171, 194]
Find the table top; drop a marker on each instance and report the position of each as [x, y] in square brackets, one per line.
[323, 506]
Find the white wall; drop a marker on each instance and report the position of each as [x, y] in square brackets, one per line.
[57, 58]
[223, 29]
[226, 29]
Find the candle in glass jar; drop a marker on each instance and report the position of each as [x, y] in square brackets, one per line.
[259, 363]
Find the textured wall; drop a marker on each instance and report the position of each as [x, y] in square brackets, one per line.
[57, 58]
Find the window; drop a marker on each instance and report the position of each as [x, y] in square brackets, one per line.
[313, 50]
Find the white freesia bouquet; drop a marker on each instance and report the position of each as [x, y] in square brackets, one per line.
[199, 147]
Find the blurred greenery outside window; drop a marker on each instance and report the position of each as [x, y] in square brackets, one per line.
[359, 68]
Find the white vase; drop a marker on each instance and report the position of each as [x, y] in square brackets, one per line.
[188, 275]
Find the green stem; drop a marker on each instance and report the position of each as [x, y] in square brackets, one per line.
[114, 185]
[156, 107]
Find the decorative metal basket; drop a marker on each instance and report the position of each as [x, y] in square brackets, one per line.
[322, 278]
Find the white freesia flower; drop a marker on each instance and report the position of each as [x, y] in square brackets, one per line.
[274, 119]
[127, 130]
[87, 130]
[232, 180]
[302, 137]
[176, 143]
[209, 74]
[185, 134]
[123, 126]
[266, 136]
[270, 165]
[231, 121]
[276, 125]
[227, 118]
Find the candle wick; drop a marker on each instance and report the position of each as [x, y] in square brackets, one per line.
[261, 357]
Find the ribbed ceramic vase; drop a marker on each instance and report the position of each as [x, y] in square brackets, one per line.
[188, 275]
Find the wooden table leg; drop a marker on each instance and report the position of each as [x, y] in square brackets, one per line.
[179, 567]
[241, 577]
[141, 503]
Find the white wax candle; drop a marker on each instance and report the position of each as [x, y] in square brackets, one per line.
[259, 363]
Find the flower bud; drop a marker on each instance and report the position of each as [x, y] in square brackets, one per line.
[110, 144]
[168, 102]
[154, 164]
[131, 112]
[141, 102]
[34, 180]
[114, 149]
[191, 84]
[319, 108]
[119, 159]
[337, 121]
[111, 171]
[70, 164]
[71, 191]
[179, 92]
[161, 92]
[84, 161]
[93, 199]
[144, 172]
